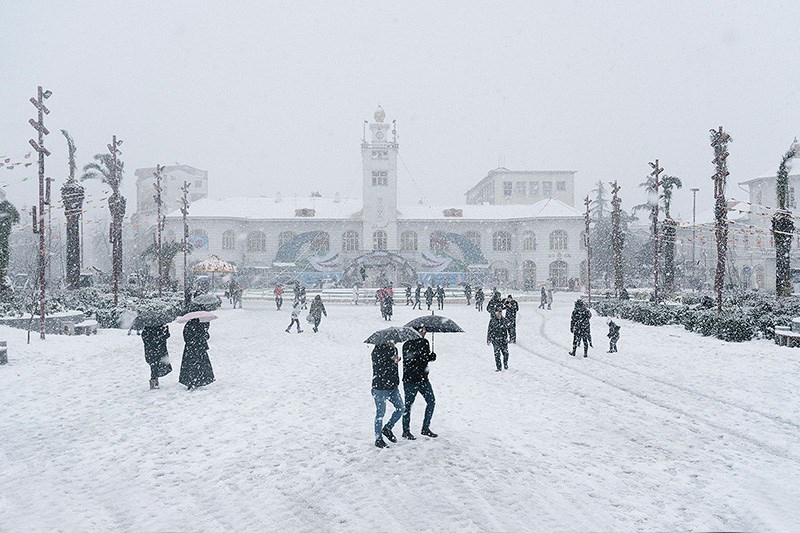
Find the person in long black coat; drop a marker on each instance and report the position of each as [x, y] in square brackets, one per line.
[543, 300]
[416, 356]
[495, 303]
[497, 336]
[196, 368]
[417, 293]
[512, 307]
[468, 293]
[316, 311]
[429, 297]
[580, 328]
[479, 298]
[155, 352]
[440, 296]
[385, 386]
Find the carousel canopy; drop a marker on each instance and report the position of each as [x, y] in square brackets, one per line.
[214, 264]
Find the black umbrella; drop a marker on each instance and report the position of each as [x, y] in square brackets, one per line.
[154, 317]
[435, 324]
[393, 334]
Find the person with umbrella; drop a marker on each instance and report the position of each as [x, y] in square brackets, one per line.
[156, 355]
[386, 379]
[416, 356]
[316, 311]
[196, 370]
[497, 336]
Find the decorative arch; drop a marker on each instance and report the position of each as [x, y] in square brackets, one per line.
[529, 275]
[378, 259]
[284, 237]
[287, 253]
[558, 274]
[472, 252]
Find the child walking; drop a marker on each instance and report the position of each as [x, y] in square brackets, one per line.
[613, 336]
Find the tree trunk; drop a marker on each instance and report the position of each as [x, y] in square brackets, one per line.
[669, 228]
[72, 195]
[782, 228]
[116, 204]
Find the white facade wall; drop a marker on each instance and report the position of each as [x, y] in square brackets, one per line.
[492, 189]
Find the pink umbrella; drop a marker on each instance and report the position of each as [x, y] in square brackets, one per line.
[203, 316]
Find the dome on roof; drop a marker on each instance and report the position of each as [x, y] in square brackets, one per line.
[380, 114]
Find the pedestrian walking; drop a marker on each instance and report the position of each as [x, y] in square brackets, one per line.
[296, 290]
[387, 305]
[196, 370]
[408, 295]
[497, 336]
[613, 336]
[235, 290]
[295, 317]
[479, 298]
[385, 386]
[429, 297]
[155, 352]
[549, 297]
[468, 293]
[417, 298]
[543, 298]
[303, 303]
[511, 307]
[316, 312]
[580, 328]
[355, 294]
[440, 296]
[416, 356]
[495, 303]
[278, 292]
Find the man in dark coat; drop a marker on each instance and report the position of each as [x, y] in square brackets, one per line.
[155, 352]
[543, 300]
[468, 293]
[429, 296]
[512, 307]
[613, 336]
[196, 368]
[408, 295]
[580, 328]
[495, 303]
[385, 382]
[440, 296]
[479, 298]
[416, 356]
[387, 305]
[497, 336]
[303, 304]
[316, 311]
[417, 297]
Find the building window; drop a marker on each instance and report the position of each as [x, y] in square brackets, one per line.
[321, 243]
[558, 274]
[380, 178]
[379, 240]
[528, 241]
[256, 241]
[501, 241]
[438, 244]
[790, 202]
[408, 241]
[380, 154]
[583, 240]
[558, 240]
[547, 189]
[284, 237]
[533, 189]
[561, 185]
[501, 275]
[508, 188]
[350, 241]
[521, 188]
[474, 237]
[229, 240]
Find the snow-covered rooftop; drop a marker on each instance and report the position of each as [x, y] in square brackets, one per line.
[264, 208]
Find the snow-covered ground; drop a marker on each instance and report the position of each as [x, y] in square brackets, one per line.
[674, 432]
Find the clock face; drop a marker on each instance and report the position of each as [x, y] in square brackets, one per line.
[379, 135]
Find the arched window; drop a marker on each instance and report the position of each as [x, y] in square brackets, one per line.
[229, 240]
[438, 244]
[474, 237]
[256, 241]
[284, 237]
[350, 241]
[558, 274]
[583, 240]
[321, 243]
[379, 240]
[501, 241]
[529, 275]
[528, 241]
[408, 241]
[558, 240]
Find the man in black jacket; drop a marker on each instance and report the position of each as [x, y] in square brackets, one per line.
[416, 356]
[495, 303]
[385, 381]
[440, 296]
[497, 336]
[512, 307]
[580, 328]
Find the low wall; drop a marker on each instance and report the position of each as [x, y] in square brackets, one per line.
[56, 324]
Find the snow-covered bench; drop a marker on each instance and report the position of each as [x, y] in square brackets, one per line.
[86, 327]
[784, 336]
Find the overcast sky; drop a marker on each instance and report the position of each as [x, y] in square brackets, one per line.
[271, 96]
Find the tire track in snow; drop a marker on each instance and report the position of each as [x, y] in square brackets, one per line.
[664, 405]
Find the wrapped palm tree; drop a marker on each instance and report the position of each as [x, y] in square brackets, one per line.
[72, 195]
[783, 227]
[8, 217]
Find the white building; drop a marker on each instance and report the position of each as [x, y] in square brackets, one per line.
[373, 240]
[503, 186]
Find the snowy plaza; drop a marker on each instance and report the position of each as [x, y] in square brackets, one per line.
[675, 432]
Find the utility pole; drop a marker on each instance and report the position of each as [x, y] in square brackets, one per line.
[116, 220]
[694, 235]
[719, 142]
[656, 234]
[616, 238]
[184, 214]
[38, 227]
[47, 183]
[586, 219]
[159, 228]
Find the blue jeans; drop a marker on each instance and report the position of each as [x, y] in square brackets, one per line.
[411, 390]
[380, 396]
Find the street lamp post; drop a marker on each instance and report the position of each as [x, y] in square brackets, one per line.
[656, 234]
[694, 234]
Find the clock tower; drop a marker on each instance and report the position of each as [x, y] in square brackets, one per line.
[379, 185]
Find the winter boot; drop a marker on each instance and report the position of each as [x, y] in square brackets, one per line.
[153, 383]
[380, 443]
[428, 433]
[572, 353]
[389, 435]
[408, 435]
